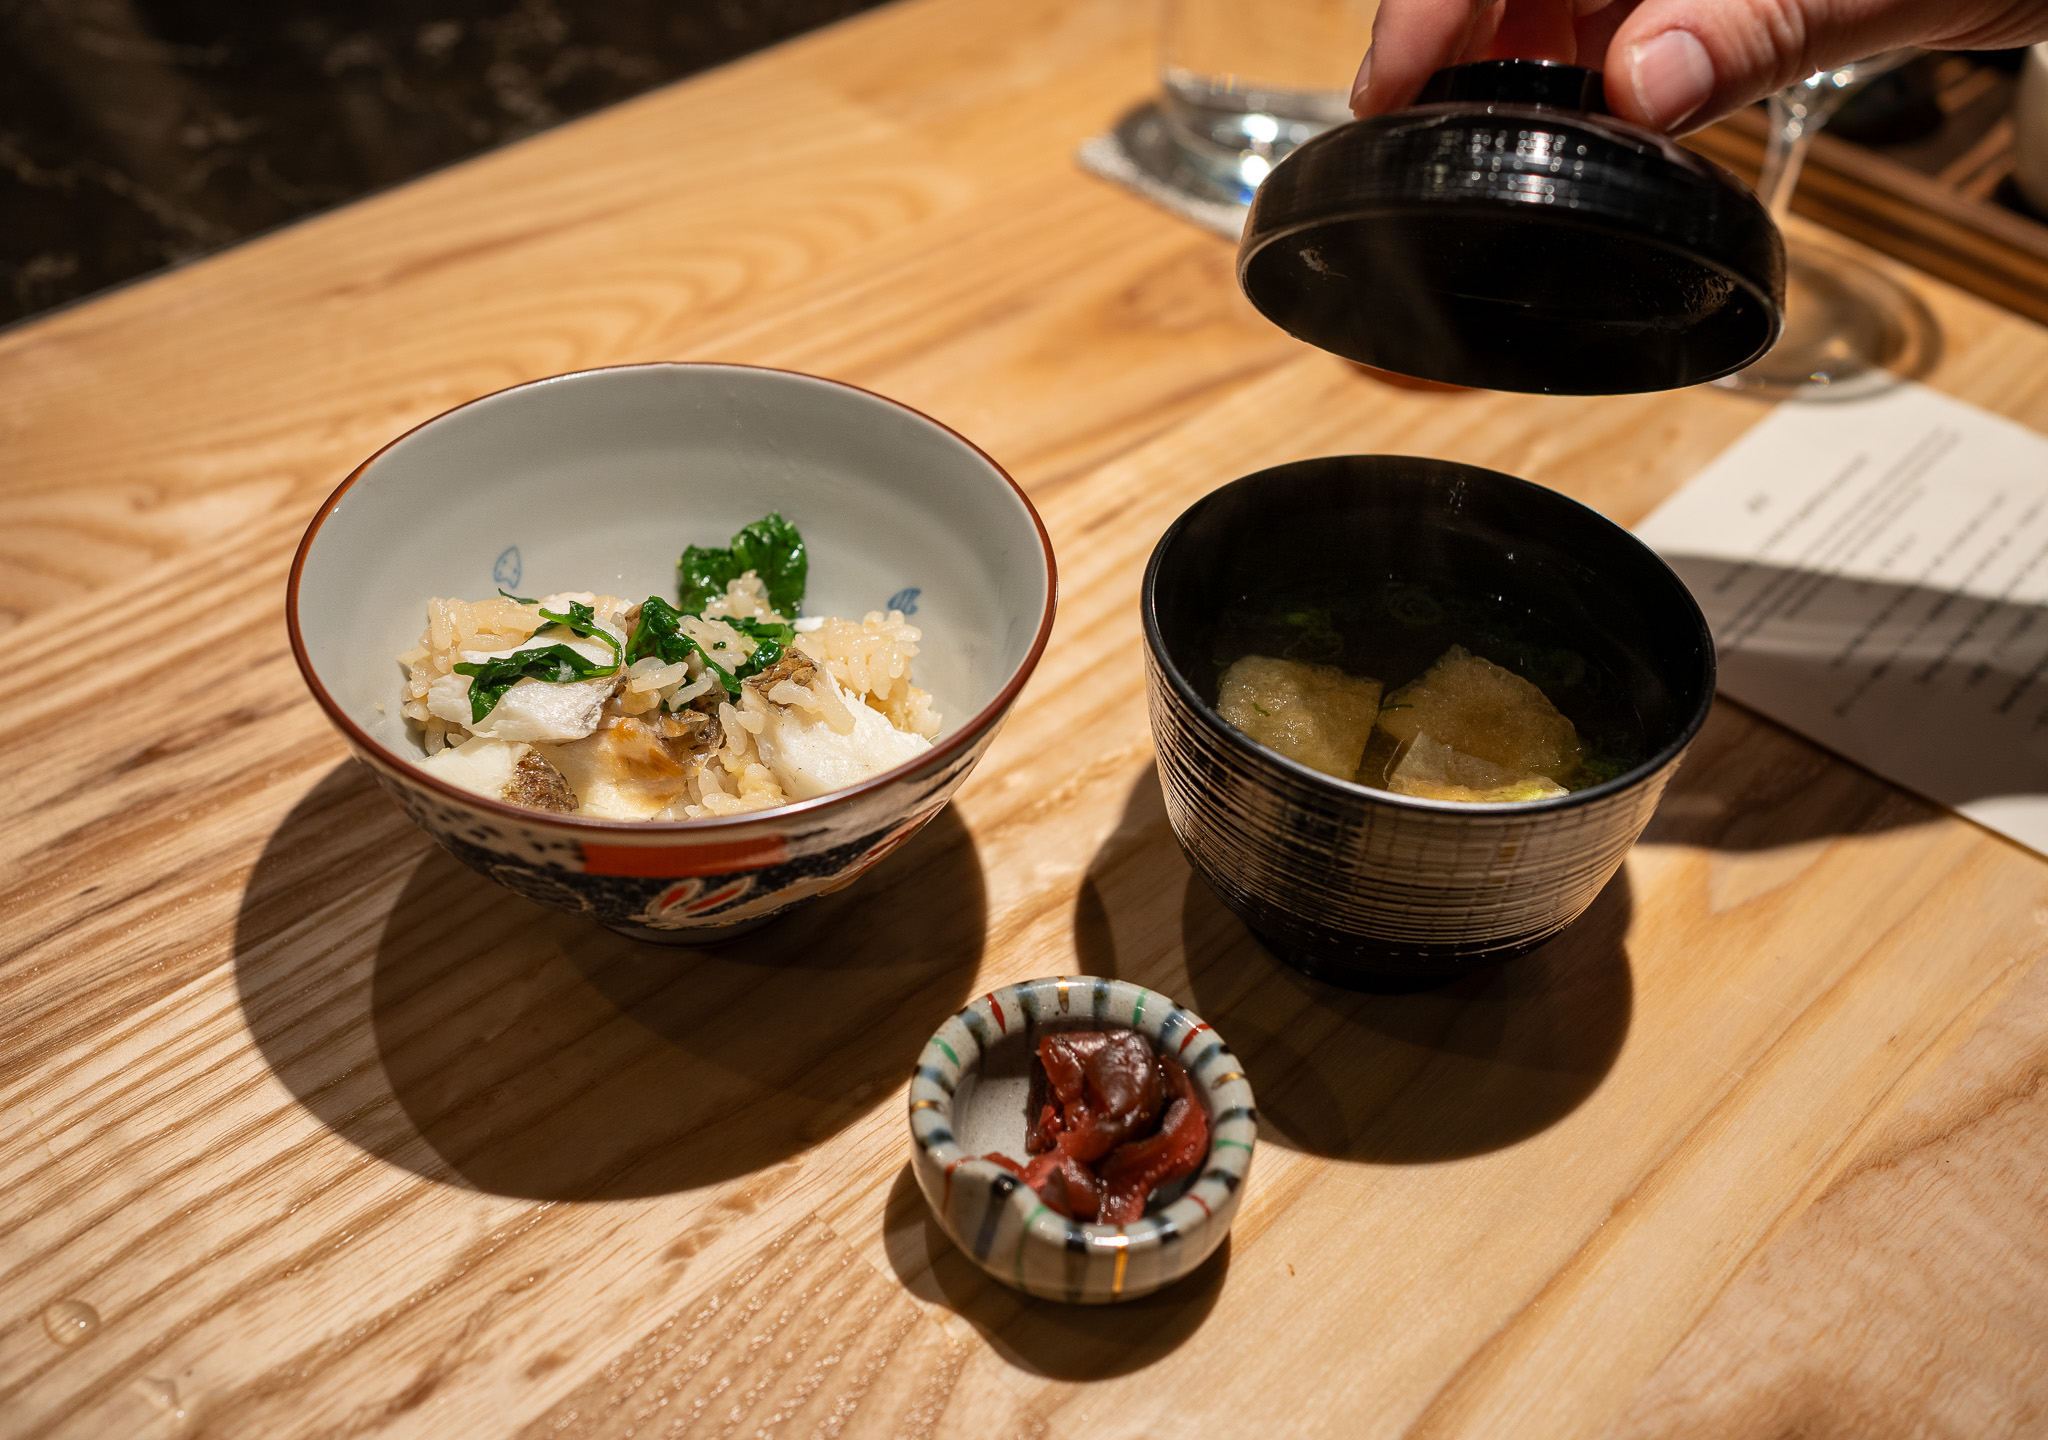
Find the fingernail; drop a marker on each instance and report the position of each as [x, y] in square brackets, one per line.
[1364, 79]
[1672, 75]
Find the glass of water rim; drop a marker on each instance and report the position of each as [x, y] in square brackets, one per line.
[1247, 83]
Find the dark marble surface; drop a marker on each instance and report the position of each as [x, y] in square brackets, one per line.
[136, 134]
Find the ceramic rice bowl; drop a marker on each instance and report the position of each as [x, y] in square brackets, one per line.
[600, 479]
[968, 1098]
[1363, 887]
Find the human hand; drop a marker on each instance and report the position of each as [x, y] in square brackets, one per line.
[1674, 65]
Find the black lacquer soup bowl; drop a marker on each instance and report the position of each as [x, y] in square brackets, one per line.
[1365, 887]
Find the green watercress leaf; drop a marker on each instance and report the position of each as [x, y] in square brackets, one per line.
[554, 664]
[658, 632]
[770, 547]
[771, 643]
[582, 620]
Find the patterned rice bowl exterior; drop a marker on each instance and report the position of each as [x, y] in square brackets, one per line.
[684, 884]
[1003, 1225]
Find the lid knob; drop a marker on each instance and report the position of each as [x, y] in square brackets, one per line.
[1518, 82]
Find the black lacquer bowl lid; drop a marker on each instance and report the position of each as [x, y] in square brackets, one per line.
[1505, 232]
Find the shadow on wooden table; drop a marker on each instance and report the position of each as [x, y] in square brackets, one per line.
[1475, 1066]
[1045, 1337]
[1472, 1067]
[538, 1055]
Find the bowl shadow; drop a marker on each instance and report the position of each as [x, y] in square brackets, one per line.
[1044, 1337]
[1474, 1066]
[531, 1054]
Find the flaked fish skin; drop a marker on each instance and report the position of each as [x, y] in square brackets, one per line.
[540, 786]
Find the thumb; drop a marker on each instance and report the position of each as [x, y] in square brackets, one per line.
[1680, 64]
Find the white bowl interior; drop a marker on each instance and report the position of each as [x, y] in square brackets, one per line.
[598, 480]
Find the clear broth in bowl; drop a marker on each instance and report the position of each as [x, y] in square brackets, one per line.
[1393, 631]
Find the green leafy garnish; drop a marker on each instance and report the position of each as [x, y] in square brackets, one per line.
[770, 547]
[582, 620]
[1315, 638]
[659, 632]
[1597, 768]
[554, 664]
[771, 642]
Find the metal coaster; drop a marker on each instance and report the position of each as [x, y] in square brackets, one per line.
[1140, 154]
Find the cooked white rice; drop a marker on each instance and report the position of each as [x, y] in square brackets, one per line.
[646, 757]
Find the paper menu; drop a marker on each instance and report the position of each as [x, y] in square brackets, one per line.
[1875, 572]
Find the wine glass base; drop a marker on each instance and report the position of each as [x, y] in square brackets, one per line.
[1850, 330]
[1142, 155]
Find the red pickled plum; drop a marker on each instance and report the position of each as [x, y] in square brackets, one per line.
[1109, 1123]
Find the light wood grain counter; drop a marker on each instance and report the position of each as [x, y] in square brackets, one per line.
[305, 1130]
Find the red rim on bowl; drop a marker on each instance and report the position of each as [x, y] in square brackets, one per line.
[941, 752]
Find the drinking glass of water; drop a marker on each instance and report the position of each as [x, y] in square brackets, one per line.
[1246, 83]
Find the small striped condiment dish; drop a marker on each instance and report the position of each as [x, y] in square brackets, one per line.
[968, 1097]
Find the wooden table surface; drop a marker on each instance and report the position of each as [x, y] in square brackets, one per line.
[305, 1130]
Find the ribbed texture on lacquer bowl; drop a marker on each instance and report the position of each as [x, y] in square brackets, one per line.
[1391, 889]
[1358, 885]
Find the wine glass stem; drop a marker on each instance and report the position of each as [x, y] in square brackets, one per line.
[1792, 128]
